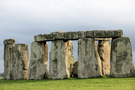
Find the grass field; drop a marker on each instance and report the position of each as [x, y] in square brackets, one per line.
[70, 84]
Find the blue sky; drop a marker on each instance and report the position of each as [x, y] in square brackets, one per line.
[22, 19]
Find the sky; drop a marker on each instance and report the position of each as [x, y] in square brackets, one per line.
[23, 19]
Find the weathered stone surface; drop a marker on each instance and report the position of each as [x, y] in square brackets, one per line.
[9, 41]
[104, 50]
[133, 72]
[69, 57]
[121, 57]
[81, 34]
[104, 39]
[8, 58]
[75, 70]
[71, 35]
[20, 62]
[98, 58]
[57, 67]
[104, 34]
[38, 60]
[43, 37]
[78, 35]
[88, 62]
[59, 35]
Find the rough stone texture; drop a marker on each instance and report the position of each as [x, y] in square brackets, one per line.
[104, 50]
[78, 35]
[8, 58]
[98, 58]
[59, 35]
[20, 61]
[133, 72]
[104, 39]
[71, 35]
[38, 61]
[75, 70]
[104, 34]
[43, 37]
[69, 57]
[121, 57]
[88, 62]
[57, 67]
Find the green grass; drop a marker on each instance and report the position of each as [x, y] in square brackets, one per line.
[70, 84]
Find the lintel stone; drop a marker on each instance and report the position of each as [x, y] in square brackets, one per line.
[79, 35]
[104, 34]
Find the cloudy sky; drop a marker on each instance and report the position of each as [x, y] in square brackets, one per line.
[22, 19]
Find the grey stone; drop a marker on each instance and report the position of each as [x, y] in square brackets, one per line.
[104, 34]
[43, 37]
[81, 34]
[75, 70]
[121, 57]
[104, 50]
[87, 58]
[59, 35]
[71, 35]
[57, 66]
[20, 62]
[61, 59]
[8, 58]
[38, 61]
[9, 41]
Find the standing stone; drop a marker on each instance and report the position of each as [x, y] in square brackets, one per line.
[69, 57]
[87, 59]
[8, 58]
[104, 50]
[98, 58]
[121, 57]
[61, 59]
[38, 61]
[57, 67]
[20, 62]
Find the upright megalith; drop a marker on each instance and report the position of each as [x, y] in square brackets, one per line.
[8, 58]
[69, 57]
[57, 66]
[104, 50]
[20, 62]
[38, 61]
[121, 57]
[87, 59]
[61, 59]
